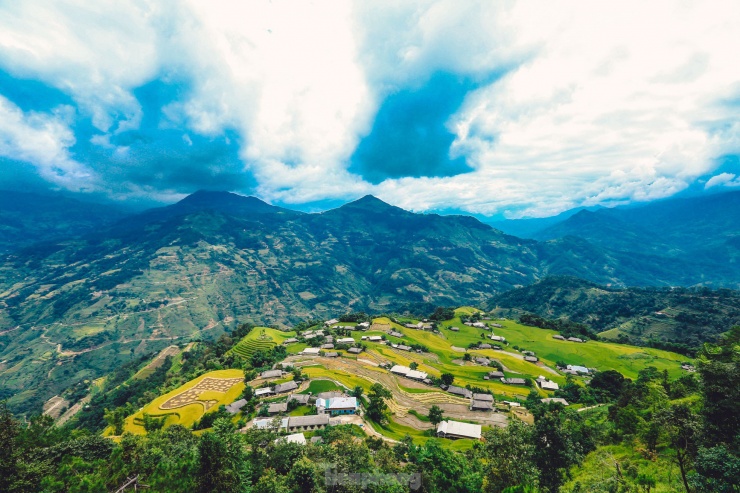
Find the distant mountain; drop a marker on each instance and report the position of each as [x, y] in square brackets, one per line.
[673, 318]
[704, 229]
[529, 228]
[28, 218]
[74, 309]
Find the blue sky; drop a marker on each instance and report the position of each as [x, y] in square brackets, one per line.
[515, 109]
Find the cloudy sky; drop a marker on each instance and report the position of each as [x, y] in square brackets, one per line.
[496, 108]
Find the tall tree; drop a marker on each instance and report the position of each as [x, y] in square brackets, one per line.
[435, 415]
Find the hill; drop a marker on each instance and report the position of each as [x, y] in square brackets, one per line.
[673, 316]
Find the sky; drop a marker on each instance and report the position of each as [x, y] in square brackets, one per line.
[501, 109]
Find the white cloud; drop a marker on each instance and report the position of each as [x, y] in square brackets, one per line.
[723, 179]
[42, 139]
[600, 103]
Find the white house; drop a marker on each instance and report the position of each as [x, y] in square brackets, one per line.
[456, 429]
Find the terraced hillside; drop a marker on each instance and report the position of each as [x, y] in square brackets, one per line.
[260, 338]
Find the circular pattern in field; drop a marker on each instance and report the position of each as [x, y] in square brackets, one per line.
[207, 386]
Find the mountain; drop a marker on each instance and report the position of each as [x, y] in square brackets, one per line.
[703, 230]
[530, 227]
[675, 318]
[71, 310]
[28, 218]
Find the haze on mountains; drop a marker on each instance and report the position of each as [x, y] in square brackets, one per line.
[78, 306]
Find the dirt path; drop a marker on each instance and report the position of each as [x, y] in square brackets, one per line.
[73, 410]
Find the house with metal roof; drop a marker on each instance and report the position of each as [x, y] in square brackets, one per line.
[311, 351]
[263, 392]
[459, 391]
[286, 387]
[456, 429]
[278, 407]
[236, 406]
[271, 374]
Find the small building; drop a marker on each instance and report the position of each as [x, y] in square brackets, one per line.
[308, 423]
[455, 329]
[514, 381]
[311, 351]
[575, 339]
[278, 407]
[400, 370]
[263, 392]
[479, 325]
[558, 400]
[337, 405]
[483, 361]
[330, 339]
[411, 326]
[329, 394]
[235, 407]
[578, 369]
[484, 346]
[327, 346]
[462, 392]
[496, 374]
[345, 340]
[286, 387]
[498, 326]
[416, 375]
[528, 353]
[331, 322]
[355, 350]
[271, 374]
[481, 406]
[531, 359]
[483, 397]
[298, 438]
[268, 423]
[375, 338]
[547, 384]
[498, 338]
[301, 399]
[395, 334]
[364, 325]
[331, 354]
[558, 337]
[290, 340]
[456, 429]
[404, 348]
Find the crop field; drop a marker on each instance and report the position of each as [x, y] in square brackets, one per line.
[189, 402]
[259, 338]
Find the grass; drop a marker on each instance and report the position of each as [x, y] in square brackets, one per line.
[317, 386]
[186, 415]
[419, 416]
[259, 338]
[347, 379]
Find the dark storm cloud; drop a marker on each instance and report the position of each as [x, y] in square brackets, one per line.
[410, 137]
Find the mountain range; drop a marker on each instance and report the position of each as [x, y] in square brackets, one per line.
[73, 306]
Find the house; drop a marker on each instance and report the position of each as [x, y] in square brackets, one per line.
[327, 346]
[329, 394]
[290, 340]
[484, 346]
[298, 438]
[531, 359]
[308, 336]
[404, 348]
[271, 374]
[578, 369]
[375, 338]
[459, 391]
[559, 400]
[498, 326]
[311, 351]
[410, 326]
[481, 406]
[456, 429]
[364, 325]
[267, 423]
[558, 337]
[514, 381]
[235, 407]
[483, 361]
[395, 334]
[416, 375]
[345, 340]
[498, 338]
[547, 384]
[278, 407]
[483, 397]
[575, 339]
[301, 399]
[331, 354]
[307, 423]
[479, 325]
[336, 406]
[455, 329]
[528, 353]
[496, 374]
[331, 322]
[400, 370]
[355, 350]
[330, 339]
[263, 392]
[286, 387]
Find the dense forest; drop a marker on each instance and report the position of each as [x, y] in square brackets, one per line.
[651, 434]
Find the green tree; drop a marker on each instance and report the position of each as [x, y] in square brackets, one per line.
[508, 454]
[357, 392]
[447, 378]
[376, 406]
[414, 365]
[682, 428]
[435, 415]
[116, 419]
[8, 453]
[304, 477]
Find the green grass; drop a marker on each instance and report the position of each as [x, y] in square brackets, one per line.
[317, 386]
[419, 416]
[259, 338]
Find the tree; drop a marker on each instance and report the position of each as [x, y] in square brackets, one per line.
[509, 456]
[377, 406]
[681, 426]
[414, 365]
[357, 392]
[435, 415]
[467, 357]
[447, 378]
[248, 393]
[8, 455]
[116, 419]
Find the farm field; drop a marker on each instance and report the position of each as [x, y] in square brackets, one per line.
[259, 338]
[189, 402]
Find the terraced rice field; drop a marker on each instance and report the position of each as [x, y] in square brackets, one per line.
[260, 338]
